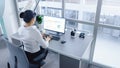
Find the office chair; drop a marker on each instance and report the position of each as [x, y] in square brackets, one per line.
[18, 43]
[16, 40]
[15, 65]
[17, 57]
[8, 65]
[39, 59]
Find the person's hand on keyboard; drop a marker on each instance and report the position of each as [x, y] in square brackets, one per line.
[48, 38]
[43, 35]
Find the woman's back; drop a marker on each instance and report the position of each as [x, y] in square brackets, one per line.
[29, 37]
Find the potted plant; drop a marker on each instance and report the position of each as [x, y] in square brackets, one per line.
[39, 19]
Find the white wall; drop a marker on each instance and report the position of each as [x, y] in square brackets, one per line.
[2, 8]
[10, 18]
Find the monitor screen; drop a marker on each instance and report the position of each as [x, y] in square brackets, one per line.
[54, 24]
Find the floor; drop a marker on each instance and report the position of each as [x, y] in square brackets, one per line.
[52, 60]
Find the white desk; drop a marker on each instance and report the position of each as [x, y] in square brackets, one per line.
[72, 51]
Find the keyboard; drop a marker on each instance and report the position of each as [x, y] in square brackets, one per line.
[54, 37]
[57, 38]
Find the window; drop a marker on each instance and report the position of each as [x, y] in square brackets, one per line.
[73, 14]
[81, 10]
[71, 24]
[107, 44]
[55, 12]
[89, 16]
[90, 2]
[107, 47]
[21, 0]
[26, 4]
[54, 0]
[110, 14]
[51, 8]
[111, 2]
[86, 28]
[72, 1]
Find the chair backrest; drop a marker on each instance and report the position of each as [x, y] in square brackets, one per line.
[16, 42]
[17, 58]
[16, 39]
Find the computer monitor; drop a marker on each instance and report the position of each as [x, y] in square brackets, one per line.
[54, 24]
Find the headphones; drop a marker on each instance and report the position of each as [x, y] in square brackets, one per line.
[82, 35]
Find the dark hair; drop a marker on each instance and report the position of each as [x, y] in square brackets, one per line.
[22, 15]
[27, 15]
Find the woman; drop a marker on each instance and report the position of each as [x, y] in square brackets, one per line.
[31, 36]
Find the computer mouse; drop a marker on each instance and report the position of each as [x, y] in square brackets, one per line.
[62, 42]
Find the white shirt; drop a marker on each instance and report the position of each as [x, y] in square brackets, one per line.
[32, 39]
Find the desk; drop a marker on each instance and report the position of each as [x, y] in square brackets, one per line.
[72, 51]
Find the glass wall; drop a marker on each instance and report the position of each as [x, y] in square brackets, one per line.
[51, 8]
[90, 2]
[110, 13]
[107, 45]
[81, 10]
[73, 1]
[49, 11]
[25, 5]
[71, 12]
